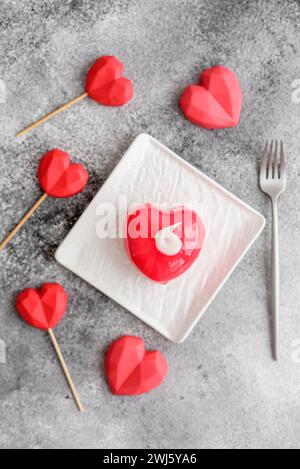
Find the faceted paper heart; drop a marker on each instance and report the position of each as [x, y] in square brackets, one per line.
[106, 84]
[164, 244]
[59, 177]
[130, 370]
[43, 308]
[217, 102]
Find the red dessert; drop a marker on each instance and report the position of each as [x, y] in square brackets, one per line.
[58, 177]
[131, 370]
[215, 103]
[106, 84]
[163, 244]
[43, 308]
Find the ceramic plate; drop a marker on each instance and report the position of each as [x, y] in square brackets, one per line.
[150, 172]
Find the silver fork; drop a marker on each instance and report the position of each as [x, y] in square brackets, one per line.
[273, 183]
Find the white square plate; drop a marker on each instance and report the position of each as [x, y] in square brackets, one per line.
[150, 172]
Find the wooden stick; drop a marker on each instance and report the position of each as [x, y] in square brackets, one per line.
[66, 371]
[51, 114]
[22, 222]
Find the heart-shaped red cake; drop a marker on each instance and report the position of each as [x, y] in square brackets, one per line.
[106, 84]
[59, 177]
[43, 308]
[164, 244]
[131, 370]
[217, 102]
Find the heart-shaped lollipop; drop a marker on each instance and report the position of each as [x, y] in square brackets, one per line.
[164, 244]
[215, 103]
[132, 370]
[44, 309]
[105, 84]
[58, 177]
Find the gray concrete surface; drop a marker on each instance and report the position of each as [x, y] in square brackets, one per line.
[223, 390]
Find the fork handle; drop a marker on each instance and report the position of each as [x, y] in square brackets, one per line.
[275, 282]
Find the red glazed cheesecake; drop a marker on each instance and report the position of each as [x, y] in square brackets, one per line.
[163, 244]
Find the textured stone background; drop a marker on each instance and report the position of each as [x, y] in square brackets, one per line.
[223, 390]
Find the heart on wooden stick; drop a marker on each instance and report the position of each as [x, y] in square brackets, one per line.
[44, 309]
[58, 177]
[105, 84]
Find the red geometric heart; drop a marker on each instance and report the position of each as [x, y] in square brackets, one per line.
[106, 85]
[144, 224]
[130, 370]
[43, 308]
[59, 177]
[217, 102]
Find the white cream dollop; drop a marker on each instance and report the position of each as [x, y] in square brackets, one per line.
[167, 242]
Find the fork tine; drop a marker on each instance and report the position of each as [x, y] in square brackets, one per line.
[282, 161]
[276, 161]
[270, 168]
[264, 163]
